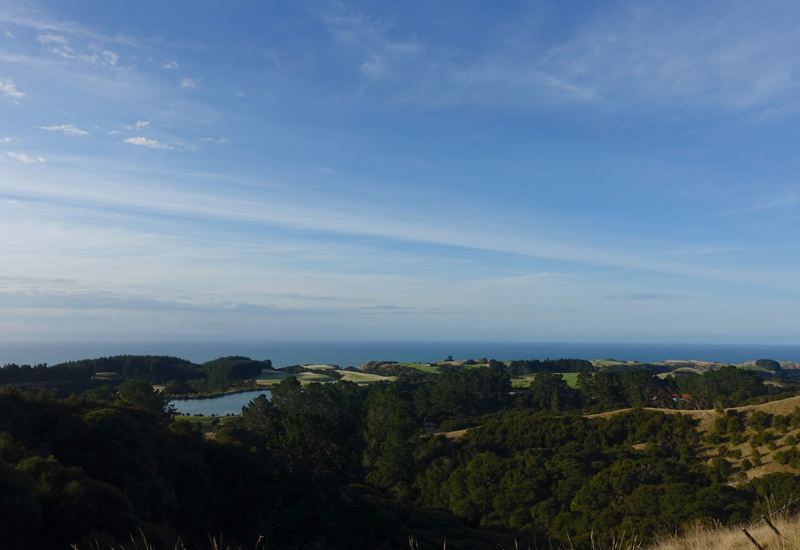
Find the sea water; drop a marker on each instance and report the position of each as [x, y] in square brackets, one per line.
[345, 354]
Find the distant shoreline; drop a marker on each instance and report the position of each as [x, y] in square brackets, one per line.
[284, 354]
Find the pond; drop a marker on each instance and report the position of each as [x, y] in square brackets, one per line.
[231, 403]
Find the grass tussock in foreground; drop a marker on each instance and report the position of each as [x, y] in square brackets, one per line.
[733, 538]
[697, 538]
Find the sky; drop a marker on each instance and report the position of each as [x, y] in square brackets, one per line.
[419, 170]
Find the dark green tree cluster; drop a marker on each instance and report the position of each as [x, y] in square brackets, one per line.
[551, 392]
[468, 391]
[606, 390]
[769, 365]
[12, 372]
[156, 367]
[231, 368]
[152, 367]
[74, 471]
[733, 384]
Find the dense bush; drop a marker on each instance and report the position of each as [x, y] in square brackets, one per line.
[234, 367]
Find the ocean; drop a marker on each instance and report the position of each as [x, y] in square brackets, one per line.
[345, 354]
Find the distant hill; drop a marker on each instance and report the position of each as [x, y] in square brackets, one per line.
[156, 368]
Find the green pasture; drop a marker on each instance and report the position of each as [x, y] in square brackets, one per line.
[421, 366]
[571, 378]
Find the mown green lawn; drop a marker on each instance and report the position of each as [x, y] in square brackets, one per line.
[421, 366]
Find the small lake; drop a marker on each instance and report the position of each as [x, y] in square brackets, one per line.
[231, 403]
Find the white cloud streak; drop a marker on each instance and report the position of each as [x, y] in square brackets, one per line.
[789, 199]
[24, 158]
[49, 38]
[170, 65]
[142, 124]
[111, 57]
[66, 129]
[149, 143]
[342, 219]
[189, 83]
[8, 89]
[221, 140]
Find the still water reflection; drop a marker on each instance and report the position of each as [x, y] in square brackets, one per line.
[231, 403]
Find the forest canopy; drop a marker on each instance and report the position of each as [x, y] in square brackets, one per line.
[297, 468]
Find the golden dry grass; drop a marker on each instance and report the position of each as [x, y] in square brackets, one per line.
[457, 434]
[364, 378]
[733, 538]
[269, 378]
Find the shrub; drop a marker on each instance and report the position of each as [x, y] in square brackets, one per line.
[781, 423]
[762, 438]
[760, 420]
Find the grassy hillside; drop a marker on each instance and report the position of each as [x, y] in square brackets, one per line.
[705, 426]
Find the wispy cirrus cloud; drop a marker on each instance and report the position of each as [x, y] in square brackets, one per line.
[58, 45]
[189, 83]
[703, 251]
[50, 38]
[149, 143]
[170, 65]
[29, 15]
[221, 140]
[66, 129]
[110, 57]
[782, 201]
[141, 124]
[25, 158]
[639, 296]
[629, 57]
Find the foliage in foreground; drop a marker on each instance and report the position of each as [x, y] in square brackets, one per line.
[342, 466]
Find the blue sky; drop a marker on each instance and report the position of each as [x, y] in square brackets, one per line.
[521, 171]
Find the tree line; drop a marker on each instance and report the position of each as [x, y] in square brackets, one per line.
[155, 368]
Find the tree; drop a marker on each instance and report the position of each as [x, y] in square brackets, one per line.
[769, 364]
[287, 395]
[261, 417]
[467, 391]
[389, 425]
[551, 392]
[603, 386]
[141, 394]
